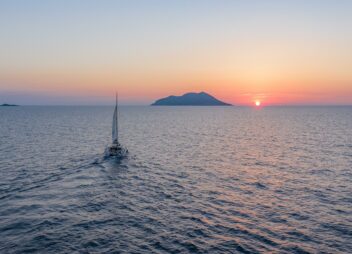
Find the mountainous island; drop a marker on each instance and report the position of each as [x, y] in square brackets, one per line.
[8, 105]
[190, 99]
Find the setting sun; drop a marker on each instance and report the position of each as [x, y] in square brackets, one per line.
[257, 103]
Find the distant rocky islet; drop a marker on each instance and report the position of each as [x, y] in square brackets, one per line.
[190, 99]
[8, 105]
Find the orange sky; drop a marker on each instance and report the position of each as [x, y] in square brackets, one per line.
[275, 52]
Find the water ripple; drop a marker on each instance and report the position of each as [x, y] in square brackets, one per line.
[197, 180]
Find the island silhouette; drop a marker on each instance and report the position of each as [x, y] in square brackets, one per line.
[190, 99]
[8, 105]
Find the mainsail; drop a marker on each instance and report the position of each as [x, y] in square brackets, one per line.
[115, 126]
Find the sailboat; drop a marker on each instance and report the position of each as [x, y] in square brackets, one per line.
[116, 149]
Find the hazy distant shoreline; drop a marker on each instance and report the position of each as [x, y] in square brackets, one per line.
[8, 105]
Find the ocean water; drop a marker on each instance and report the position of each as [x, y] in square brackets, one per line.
[197, 180]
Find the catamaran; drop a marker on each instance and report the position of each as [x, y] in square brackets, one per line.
[116, 149]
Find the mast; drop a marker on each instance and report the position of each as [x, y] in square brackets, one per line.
[114, 124]
[117, 115]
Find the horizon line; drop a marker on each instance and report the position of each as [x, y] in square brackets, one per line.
[145, 105]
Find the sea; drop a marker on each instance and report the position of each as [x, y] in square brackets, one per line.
[196, 180]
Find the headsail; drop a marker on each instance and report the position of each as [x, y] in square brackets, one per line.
[115, 125]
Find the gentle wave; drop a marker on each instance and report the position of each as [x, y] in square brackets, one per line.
[197, 180]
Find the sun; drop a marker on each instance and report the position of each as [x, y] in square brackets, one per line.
[257, 103]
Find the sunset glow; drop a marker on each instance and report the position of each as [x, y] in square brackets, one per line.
[238, 51]
[257, 103]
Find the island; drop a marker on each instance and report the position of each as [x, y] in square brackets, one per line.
[8, 105]
[190, 99]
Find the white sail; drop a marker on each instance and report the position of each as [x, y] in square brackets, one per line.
[115, 126]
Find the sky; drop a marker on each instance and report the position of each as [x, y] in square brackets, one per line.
[73, 52]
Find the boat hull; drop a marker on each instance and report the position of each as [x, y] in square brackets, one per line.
[116, 151]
